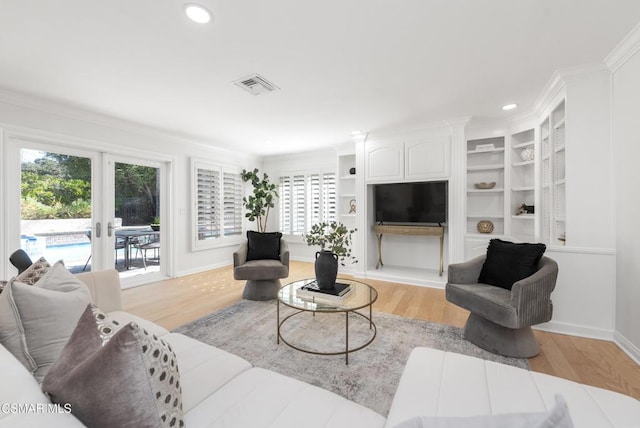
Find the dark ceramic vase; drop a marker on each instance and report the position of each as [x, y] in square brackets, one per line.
[326, 269]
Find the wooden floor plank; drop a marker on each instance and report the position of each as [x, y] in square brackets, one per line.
[178, 301]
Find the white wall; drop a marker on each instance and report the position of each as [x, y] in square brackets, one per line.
[626, 141]
[77, 128]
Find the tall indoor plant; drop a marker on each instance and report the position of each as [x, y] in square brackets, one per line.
[334, 239]
[262, 200]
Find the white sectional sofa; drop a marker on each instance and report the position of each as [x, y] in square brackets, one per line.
[223, 390]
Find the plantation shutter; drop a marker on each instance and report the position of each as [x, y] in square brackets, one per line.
[208, 203]
[298, 226]
[315, 200]
[329, 196]
[285, 205]
[232, 204]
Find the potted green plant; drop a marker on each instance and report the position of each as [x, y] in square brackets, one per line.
[334, 239]
[155, 224]
[261, 201]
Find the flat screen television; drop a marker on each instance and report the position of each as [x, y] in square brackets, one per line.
[422, 203]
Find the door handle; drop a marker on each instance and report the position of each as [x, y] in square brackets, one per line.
[98, 229]
[110, 229]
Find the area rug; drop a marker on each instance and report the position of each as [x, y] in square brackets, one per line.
[248, 329]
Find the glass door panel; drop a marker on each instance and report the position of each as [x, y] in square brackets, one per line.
[56, 208]
[137, 218]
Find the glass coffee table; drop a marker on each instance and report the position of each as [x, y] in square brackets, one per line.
[361, 296]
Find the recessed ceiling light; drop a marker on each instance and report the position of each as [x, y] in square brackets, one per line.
[356, 133]
[509, 106]
[197, 13]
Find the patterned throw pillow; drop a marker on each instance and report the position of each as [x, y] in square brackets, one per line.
[141, 387]
[34, 272]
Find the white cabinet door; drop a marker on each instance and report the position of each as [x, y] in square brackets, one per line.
[427, 158]
[384, 162]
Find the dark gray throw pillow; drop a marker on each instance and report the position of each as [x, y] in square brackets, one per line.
[130, 381]
[263, 246]
[508, 262]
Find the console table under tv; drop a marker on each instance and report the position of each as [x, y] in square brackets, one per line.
[389, 229]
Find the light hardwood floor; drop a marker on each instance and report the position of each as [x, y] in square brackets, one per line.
[175, 302]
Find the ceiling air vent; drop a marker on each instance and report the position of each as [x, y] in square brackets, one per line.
[255, 84]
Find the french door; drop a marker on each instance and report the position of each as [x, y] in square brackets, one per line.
[91, 209]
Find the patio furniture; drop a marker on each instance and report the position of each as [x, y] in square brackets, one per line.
[21, 260]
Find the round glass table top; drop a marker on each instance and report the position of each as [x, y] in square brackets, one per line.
[361, 295]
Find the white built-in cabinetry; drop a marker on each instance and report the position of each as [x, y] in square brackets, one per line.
[553, 135]
[410, 159]
[347, 205]
[485, 164]
[523, 185]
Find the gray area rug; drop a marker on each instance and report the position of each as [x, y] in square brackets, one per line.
[248, 329]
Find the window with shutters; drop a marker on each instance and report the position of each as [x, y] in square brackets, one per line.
[306, 199]
[217, 201]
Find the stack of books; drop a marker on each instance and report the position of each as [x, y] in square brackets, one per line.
[311, 290]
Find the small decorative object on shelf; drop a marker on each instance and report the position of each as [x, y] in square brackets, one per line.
[483, 185]
[485, 147]
[562, 237]
[525, 209]
[352, 206]
[485, 226]
[352, 171]
[527, 154]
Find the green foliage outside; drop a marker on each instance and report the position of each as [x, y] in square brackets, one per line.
[59, 187]
[50, 188]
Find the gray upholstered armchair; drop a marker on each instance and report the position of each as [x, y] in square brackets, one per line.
[263, 276]
[500, 320]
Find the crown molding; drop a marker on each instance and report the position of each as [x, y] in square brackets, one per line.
[559, 79]
[75, 112]
[624, 51]
[438, 126]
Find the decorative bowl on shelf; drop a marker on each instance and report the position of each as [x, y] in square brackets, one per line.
[483, 185]
[485, 226]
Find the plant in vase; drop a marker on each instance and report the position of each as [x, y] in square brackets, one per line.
[261, 201]
[334, 239]
[155, 224]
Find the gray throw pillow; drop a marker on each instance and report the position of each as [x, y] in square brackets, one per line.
[37, 321]
[131, 381]
[34, 272]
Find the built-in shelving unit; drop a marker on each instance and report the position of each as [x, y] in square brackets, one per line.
[485, 163]
[553, 170]
[347, 204]
[522, 185]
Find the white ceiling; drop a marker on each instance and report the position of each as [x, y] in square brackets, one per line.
[342, 64]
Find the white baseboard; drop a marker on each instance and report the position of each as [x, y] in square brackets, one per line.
[419, 277]
[202, 269]
[576, 330]
[629, 348]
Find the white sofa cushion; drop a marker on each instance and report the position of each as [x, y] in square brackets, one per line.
[124, 318]
[19, 387]
[204, 369]
[262, 398]
[438, 383]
